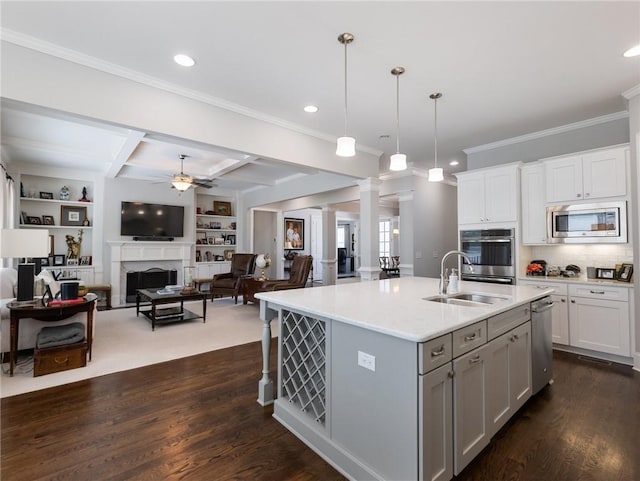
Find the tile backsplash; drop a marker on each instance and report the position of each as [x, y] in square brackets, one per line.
[599, 255]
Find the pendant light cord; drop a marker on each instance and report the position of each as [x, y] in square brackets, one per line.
[345, 88]
[435, 131]
[397, 114]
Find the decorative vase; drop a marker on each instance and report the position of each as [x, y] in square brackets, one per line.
[65, 193]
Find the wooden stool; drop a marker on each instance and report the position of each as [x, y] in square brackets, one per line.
[104, 288]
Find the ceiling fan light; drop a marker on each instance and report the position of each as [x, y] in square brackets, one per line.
[436, 174]
[346, 147]
[398, 162]
[181, 185]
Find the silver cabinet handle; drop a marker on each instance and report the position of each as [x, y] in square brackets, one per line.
[439, 352]
[451, 374]
[597, 292]
[587, 194]
[475, 359]
[573, 301]
[514, 338]
[563, 300]
[470, 337]
[578, 195]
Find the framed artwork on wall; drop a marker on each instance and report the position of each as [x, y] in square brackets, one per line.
[72, 215]
[294, 234]
[221, 207]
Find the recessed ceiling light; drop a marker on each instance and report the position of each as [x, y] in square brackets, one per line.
[312, 109]
[632, 52]
[184, 60]
[454, 162]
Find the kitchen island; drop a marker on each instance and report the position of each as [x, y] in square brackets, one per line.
[385, 384]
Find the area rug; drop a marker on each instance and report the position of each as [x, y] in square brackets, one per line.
[125, 341]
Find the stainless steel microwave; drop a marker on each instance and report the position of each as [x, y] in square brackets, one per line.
[587, 223]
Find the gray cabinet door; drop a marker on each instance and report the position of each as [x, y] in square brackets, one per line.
[508, 375]
[469, 406]
[520, 365]
[436, 425]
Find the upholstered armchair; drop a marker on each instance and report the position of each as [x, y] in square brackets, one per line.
[298, 275]
[230, 283]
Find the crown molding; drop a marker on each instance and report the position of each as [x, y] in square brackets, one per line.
[32, 43]
[545, 133]
[632, 92]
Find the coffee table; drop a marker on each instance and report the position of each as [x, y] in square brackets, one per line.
[170, 314]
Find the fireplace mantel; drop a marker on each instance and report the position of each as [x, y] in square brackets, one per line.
[144, 251]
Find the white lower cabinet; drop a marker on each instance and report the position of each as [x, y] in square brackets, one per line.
[560, 312]
[560, 320]
[436, 431]
[597, 322]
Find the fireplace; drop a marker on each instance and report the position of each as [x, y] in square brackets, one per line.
[153, 278]
[140, 256]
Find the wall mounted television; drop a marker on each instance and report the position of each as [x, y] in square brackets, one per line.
[151, 221]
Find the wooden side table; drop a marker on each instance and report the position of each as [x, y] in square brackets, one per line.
[48, 314]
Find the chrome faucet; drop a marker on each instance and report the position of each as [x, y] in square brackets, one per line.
[444, 282]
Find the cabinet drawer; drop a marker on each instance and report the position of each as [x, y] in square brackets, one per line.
[600, 292]
[558, 288]
[498, 325]
[434, 353]
[468, 338]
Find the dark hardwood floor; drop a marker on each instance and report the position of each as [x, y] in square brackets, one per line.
[197, 419]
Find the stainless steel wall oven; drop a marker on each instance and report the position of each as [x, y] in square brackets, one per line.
[492, 252]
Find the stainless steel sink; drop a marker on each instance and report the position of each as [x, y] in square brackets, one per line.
[470, 299]
[476, 297]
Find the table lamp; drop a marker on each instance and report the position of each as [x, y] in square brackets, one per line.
[24, 243]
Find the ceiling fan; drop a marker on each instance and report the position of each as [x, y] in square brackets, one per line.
[183, 181]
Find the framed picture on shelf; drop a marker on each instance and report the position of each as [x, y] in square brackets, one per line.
[48, 220]
[72, 215]
[34, 220]
[46, 195]
[85, 260]
[221, 207]
[58, 260]
[605, 273]
[230, 239]
[625, 273]
[294, 234]
[228, 254]
[73, 262]
[44, 261]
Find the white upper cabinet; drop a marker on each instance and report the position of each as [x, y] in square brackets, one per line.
[488, 196]
[588, 176]
[534, 213]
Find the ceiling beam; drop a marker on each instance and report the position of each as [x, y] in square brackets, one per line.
[132, 141]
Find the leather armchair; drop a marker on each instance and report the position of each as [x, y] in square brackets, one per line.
[299, 274]
[230, 283]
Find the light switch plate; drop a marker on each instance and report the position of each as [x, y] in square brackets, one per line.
[367, 361]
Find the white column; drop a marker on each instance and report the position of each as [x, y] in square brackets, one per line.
[406, 233]
[369, 229]
[329, 250]
[265, 384]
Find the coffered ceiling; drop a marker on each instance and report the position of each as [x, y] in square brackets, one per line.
[505, 68]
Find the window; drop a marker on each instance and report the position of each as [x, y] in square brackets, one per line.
[341, 240]
[385, 238]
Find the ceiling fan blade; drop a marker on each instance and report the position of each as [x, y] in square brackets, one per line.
[204, 183]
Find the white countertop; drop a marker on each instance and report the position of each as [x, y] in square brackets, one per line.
[396, 306]
[577, 280]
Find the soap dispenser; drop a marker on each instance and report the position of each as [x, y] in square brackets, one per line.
[453, 282]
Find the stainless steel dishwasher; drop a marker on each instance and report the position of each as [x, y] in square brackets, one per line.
[541, 343]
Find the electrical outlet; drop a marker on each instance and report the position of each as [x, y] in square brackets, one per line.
[367, 361]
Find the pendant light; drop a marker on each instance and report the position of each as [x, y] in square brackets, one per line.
[398, 160]
[435, 174]
[346, 146]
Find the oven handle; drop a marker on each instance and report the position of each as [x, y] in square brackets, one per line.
[488, 239]
[500, 280]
